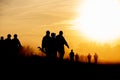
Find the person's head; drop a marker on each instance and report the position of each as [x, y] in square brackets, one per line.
[71, 50]
[15, 35]
[52, 34]
[2, 38]
[47, 32]
[60, 32]
[9, 36]
[89, 54]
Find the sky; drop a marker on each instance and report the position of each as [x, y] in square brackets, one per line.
[31, 18]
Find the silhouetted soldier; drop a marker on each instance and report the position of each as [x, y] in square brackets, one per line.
[76, 57]
[46, 44]
[2, 46]
[53, 48]
[8, 45]
[95, 58]
[71, 56]
[16, 45]
[89, 58]
[60, 44]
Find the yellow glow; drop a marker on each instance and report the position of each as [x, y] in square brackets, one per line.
[99, 20]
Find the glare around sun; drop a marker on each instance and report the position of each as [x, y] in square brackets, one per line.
[99, 20]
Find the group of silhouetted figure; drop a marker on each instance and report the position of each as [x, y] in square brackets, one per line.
[52, 46]
[95, 58]
[75, 57]
[9, 47]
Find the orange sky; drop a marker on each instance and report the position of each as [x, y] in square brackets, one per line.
[31, 18]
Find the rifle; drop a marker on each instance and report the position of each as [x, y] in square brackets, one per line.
[41, 49]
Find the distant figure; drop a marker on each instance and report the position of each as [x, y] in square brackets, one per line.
[60, 44]
[71, 55]
[89, 58]
[95, 58]
[46, 45]
[8, 45]
[76, 57]
[2, 46]
[53, 48]
[16, 45]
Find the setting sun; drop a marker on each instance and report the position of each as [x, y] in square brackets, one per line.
[99, 20]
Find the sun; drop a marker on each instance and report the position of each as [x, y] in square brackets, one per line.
[99, 20]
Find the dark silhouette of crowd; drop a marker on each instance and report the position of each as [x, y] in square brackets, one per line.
[53, 44]
[9, 48]
[53, 47]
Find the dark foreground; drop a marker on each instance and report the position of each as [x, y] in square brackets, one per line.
[40, 67]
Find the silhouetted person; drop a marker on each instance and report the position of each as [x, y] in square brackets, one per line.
[16, 45]
[8, 45]
[60, 44]
[46, 45]
[76, 57]
[95, 58]
[53, 48]
[89, 58]
[2, 46]
[71, 56]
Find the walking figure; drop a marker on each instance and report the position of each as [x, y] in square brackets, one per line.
[8, 45]
[46, 44]
[76, 57]
[71, 55]
[89, 58]
[60, 44]
[95, 58]
[2, 47]
[53, 48]
[16, 45]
